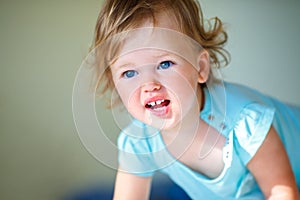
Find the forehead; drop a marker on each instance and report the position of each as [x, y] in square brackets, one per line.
[160, 32]
[158, 42]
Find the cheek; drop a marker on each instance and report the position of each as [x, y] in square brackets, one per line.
[184, 88]
[182, 84]
[128, 94]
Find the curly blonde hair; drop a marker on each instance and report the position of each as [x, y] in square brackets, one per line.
[118, 16]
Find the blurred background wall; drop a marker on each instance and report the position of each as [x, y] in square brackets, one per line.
[42, 44]
[264, 44]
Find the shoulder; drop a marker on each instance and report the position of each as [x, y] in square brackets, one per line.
[241, 95]
[136, 138]
[251, 128]
[243, 101]
[249, 115]
[135, 149]
[229, 102]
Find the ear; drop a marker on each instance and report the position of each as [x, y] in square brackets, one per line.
[204, 66]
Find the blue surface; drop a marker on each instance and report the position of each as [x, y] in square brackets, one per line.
[162, 189]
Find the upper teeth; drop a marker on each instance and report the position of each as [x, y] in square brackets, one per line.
[153, 103]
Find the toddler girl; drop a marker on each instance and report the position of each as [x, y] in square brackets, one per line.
[216, 140]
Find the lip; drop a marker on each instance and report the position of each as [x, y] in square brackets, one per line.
[160, 112]
[155, 98]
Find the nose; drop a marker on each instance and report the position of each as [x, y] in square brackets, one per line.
[151, 87]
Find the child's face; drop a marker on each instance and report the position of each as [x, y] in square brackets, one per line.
[157, 79]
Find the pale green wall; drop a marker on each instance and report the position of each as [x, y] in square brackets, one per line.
[42, 44]
[264, 43]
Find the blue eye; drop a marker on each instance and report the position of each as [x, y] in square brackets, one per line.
[129, 74]
[165, 65]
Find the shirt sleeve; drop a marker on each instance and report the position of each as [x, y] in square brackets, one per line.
[135, 155]
[251, 129]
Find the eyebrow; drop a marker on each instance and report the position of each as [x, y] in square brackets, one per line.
[121, 66]
[163, 54]
[126, 64]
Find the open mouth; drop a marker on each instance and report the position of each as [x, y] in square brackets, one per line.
[158, 104]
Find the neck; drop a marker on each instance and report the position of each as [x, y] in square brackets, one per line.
[183, 135]
[186, 138]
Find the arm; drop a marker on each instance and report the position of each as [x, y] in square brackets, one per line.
[131, 187]
[272, 170]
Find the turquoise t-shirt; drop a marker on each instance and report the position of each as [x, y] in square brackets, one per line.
[244, 117]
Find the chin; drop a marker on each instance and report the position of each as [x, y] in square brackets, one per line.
[166, 122]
